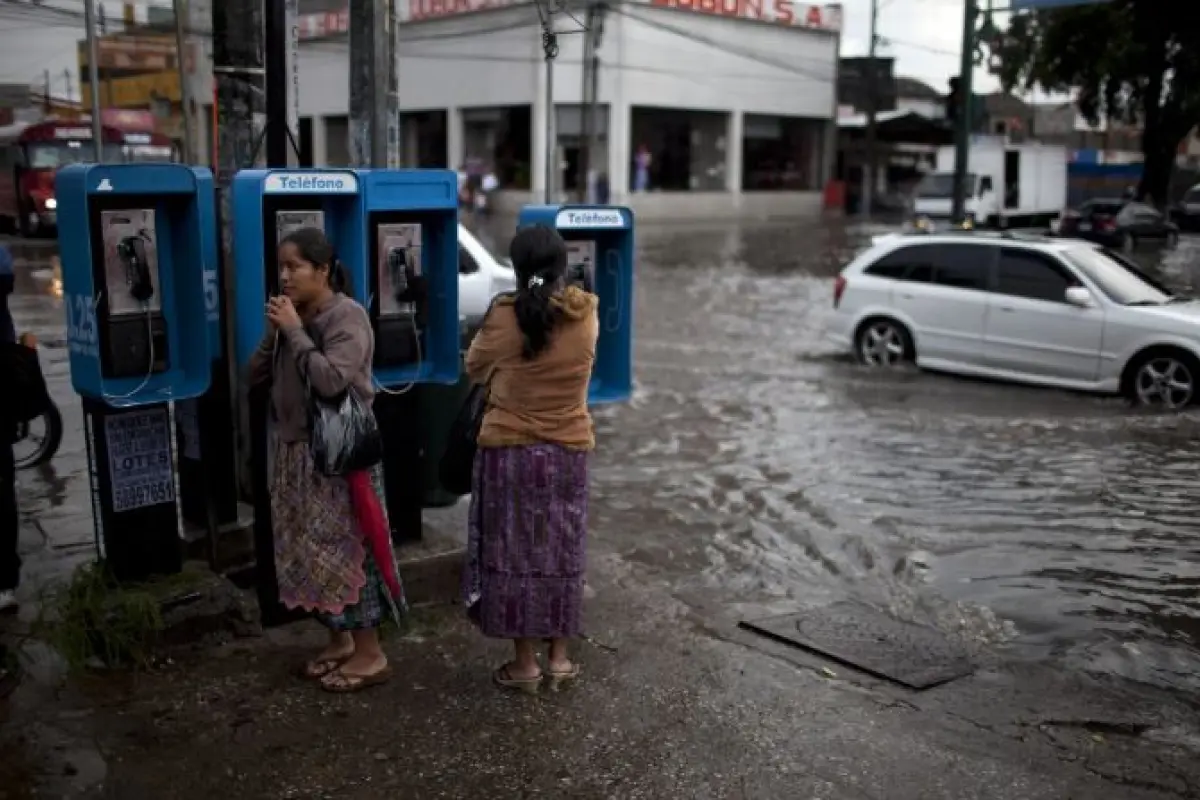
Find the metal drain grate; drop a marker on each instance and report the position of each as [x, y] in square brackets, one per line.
[911, 655]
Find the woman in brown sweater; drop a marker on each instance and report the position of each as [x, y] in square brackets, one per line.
[320, 340]
[528, 520]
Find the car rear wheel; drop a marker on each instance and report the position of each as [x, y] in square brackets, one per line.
[882, 342]
[1163, 379]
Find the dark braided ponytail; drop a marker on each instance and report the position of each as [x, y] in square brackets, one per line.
[539, 257]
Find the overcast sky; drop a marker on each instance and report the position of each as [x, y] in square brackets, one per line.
[923, 35]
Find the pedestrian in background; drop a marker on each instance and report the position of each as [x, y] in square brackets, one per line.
[329, 558]
[10, 561]
[528, 520]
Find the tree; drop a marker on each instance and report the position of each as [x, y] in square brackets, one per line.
[1125, 61]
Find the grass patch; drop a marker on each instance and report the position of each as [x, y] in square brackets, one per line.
[93, 618]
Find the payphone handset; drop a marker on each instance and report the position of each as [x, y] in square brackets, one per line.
[581, 264]
[130, 309]
[399, 281]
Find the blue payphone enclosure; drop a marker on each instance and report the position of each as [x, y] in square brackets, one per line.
[611, 229]
[181, 198]
[259, 192]
[428, 197]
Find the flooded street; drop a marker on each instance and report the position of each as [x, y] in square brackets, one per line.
[758, 471]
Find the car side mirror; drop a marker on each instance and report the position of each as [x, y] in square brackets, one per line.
[1079, 296]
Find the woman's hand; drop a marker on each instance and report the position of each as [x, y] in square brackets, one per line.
[282, 314]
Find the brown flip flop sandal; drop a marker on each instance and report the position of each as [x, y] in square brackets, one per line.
[339, 682]
[558, 680]
[504, 679]
[317, 669]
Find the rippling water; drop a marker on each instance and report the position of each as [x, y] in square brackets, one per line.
[759, 470]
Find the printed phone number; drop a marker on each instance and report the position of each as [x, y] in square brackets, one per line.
[128, 498]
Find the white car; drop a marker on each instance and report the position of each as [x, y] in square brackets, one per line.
[1051, 312]
[480, 278]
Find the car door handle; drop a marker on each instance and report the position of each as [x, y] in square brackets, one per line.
[906, 296]
[1008, 309]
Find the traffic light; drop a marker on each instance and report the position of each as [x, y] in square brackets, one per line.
[953, 102]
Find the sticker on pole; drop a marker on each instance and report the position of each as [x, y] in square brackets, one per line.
[311, 183]
[139, 459]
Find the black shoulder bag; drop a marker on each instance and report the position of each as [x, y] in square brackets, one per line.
[458, 459]
[343, 434]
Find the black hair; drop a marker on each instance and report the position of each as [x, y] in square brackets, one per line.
[539, 257]
[314, 247]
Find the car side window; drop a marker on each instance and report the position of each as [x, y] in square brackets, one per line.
[467, 265]
[907, 263]
[961, 266]
[1024, 273]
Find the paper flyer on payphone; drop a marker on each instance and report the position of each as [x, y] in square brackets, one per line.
[290, 221]
[399, 260]
[581, 263]
[130, 258]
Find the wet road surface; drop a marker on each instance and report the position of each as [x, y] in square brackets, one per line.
[758, 471]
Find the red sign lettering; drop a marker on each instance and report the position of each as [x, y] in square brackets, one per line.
[781, 12]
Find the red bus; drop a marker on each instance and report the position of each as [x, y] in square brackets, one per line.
[31, 154]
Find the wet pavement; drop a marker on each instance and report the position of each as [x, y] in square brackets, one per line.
[757, 472]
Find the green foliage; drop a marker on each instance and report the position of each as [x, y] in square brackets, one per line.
[1118, 57]
[1133, 61]
[95, 617]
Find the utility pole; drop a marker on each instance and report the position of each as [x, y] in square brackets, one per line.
[550, 48]
[239, 86]
[370, 76]
[962, 132]
[585, 104]
[70, 84]
[46, 92]
[185, 95]
[872, 165]
[276, 135]
[89, 19]
[374, 142]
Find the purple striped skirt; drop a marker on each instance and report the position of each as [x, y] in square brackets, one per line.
[526, 551]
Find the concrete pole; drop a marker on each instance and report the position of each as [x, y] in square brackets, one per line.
[89, 19]
[551, 135]
[185, 95]
[962, 132]
[371, 55]
[872, 161]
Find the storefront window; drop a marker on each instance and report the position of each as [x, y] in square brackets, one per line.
[675, 150]
[423, 139]
[781, 153]
[501, 139]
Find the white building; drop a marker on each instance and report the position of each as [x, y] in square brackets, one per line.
[733, 100]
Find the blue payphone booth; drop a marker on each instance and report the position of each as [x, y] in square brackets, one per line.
[267, 205]
[600, 258]
[411, 284]
[133, 243]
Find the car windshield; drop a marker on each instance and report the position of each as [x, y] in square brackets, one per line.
[1120, 280]
[939, 185]
[59, 154]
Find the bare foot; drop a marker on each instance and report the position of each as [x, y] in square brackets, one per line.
[333, 656]
[563, 667]
[363, 664]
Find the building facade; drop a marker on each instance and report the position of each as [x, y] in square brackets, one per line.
[702, 106]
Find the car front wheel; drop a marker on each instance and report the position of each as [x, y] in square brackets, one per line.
[1164, 380]
[883, 343]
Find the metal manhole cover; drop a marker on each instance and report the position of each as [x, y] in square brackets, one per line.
[912, 655]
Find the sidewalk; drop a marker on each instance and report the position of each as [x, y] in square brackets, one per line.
[671, 706]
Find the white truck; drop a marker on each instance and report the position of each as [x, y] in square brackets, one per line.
[1008, 185]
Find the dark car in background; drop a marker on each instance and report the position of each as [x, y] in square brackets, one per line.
[1120, 224]
[1187, 212]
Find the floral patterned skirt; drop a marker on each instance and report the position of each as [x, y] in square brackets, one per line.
[322, 561]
